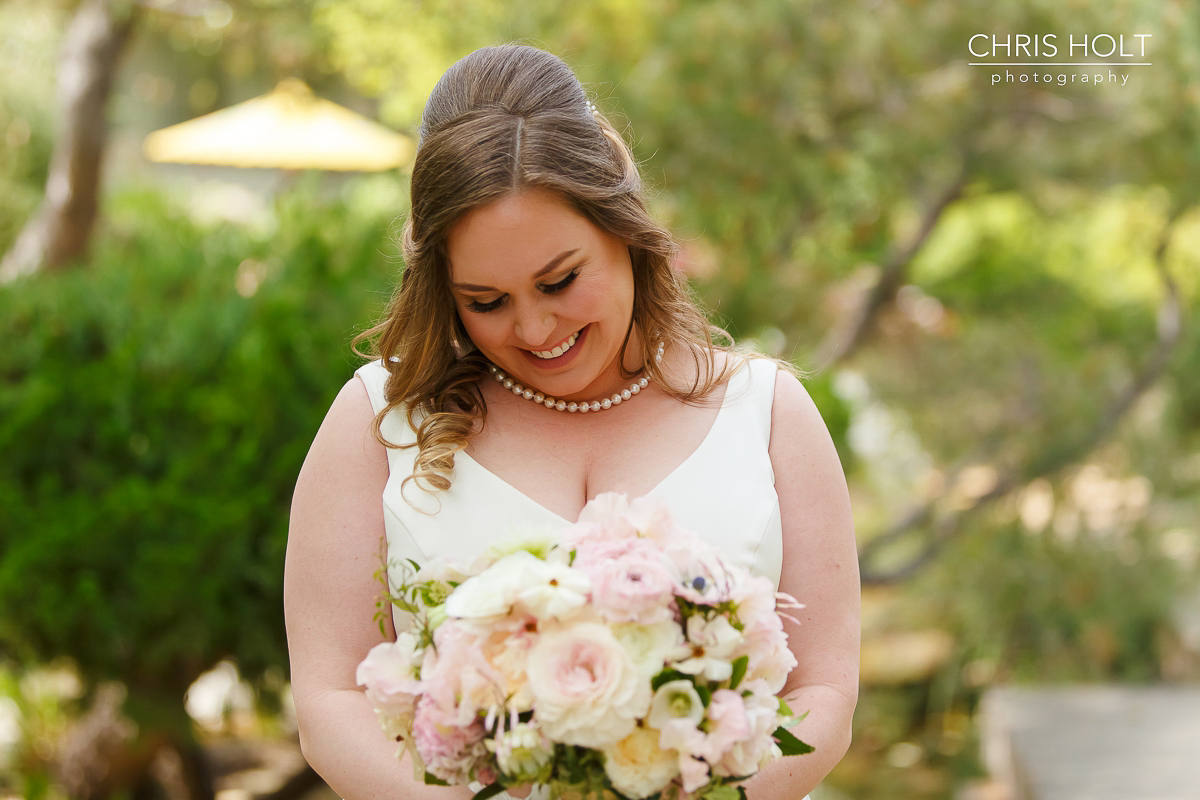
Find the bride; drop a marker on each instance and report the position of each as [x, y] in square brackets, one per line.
[541, 350]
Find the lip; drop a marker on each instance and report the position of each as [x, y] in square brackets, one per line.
[565, 358]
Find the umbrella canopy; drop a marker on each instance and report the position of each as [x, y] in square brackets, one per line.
[288, 128]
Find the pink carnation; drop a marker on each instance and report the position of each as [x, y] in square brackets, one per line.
[457, 679]
[765, 640]
[450, 752]
[729, 724]
[632, 581]
[761, 710]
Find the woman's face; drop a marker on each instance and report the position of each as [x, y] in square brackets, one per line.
[544, 294]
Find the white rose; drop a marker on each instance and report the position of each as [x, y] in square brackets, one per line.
[587, 690]
[637, 766]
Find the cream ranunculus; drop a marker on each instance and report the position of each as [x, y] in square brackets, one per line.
[587, 689]
[540, 541]
[649, 645]
[637, 766]
[490, 595]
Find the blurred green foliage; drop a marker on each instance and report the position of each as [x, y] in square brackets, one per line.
[154, 412]
[153, 417]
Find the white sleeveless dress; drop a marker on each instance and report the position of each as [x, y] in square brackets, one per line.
[724, 491]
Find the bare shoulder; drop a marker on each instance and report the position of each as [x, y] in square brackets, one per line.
[808, 470]
[346, 467]
[793, 412]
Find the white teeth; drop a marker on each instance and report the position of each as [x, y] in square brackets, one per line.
[558, 351]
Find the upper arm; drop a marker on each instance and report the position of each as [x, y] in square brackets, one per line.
[820, 558]
[336, 545]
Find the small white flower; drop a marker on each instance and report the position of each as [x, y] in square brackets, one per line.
[523, 753]
[675, 700]
[710, 649]
[554, 591]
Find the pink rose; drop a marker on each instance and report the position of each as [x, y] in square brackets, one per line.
[587, 689]
[612, 515]
[604, 518]
[632, 581]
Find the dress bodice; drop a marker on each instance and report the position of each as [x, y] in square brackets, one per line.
[724, 490]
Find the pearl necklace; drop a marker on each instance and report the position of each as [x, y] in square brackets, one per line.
[562, 405]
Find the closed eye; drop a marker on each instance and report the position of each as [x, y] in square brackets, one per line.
[483, 308]
[550, 288]
[564, 283]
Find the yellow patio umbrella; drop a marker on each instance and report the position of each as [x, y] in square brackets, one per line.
[287, 128]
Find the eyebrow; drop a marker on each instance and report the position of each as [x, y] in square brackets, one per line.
[550, 266]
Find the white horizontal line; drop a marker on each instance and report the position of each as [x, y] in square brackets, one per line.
[1057, 64]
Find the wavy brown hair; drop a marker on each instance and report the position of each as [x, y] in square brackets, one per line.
[502, 120]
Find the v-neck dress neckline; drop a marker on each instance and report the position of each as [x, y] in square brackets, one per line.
[724, 490]
[464, 459]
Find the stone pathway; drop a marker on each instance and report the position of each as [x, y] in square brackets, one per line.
[1094, 742]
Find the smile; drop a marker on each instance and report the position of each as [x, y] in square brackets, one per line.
[558, 351]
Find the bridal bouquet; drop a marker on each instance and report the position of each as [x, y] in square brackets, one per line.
[622, 655]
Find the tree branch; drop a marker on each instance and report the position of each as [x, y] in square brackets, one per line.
[844, 340]
[941, 529]
[58, 232]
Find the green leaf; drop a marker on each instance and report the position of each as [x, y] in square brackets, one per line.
[491, 790]
[789, 745]
[723, 792]
[666, 676]
[434, 780]
[739, 671]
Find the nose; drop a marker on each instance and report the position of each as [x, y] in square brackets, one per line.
[535, 324]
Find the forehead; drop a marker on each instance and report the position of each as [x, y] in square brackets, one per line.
[516, 235]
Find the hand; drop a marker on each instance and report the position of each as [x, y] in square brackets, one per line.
[520, 791]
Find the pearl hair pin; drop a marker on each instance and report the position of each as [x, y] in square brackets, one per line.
[562, 405]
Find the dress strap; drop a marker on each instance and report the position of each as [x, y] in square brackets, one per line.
[374, 377]
[395, 427]
[760, 392]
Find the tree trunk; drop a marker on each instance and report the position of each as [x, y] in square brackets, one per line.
[58, 232]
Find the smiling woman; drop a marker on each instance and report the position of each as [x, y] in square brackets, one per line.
[536, 282]
[545, 295]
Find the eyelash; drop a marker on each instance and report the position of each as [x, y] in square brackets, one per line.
[554, 288]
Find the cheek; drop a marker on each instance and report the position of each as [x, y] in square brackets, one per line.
[479, 327]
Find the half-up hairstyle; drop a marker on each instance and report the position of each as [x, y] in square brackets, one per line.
[501, 120]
